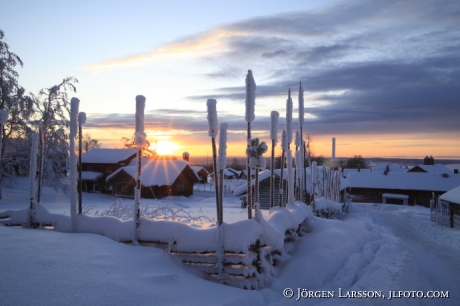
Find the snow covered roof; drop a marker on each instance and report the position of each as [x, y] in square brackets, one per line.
[375, 169]
[437, 168]
[452, 196]
[90, 175]
[156, 172]
[197, 169]
[402, 181]
[453, 166]
[106, 156]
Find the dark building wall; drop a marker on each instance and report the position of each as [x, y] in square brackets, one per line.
[374, 195]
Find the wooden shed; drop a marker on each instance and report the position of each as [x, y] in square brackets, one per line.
[159, 179]
[452, 199]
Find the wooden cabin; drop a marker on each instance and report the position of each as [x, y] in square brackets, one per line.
[419, 187]
[159, 179]
[98, 163]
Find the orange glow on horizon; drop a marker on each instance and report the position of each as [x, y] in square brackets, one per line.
[368, 146]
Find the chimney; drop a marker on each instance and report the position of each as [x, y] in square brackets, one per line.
[185, 156]
[455, 171]
[359, 167]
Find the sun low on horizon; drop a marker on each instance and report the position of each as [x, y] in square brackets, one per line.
[165, 147]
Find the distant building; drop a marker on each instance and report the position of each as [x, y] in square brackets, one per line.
[370, 187]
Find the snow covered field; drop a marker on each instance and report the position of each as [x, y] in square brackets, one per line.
[382, 248]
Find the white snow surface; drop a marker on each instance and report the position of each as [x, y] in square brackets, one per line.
[106, 156]
[452, 196]
[155, 172]
[379, 247]
[90, 175]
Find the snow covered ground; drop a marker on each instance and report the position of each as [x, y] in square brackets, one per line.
[382, 248]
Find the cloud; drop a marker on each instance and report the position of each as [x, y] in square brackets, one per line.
[366, 66]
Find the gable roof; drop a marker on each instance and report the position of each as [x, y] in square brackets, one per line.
[437, 168]
[107, 156]
[402, 181]
[197, 169]
[452, 196]
[156, 172]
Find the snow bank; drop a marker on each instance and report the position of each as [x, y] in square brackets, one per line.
[325, 204]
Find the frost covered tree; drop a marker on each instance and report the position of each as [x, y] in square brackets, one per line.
[249, 117]
[274, 115]
[52, 108]
[89, 142]
[20, 109]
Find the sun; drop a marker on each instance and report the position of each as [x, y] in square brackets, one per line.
[165, 147]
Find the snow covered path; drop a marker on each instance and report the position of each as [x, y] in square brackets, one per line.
[432, 249]
[373, 248]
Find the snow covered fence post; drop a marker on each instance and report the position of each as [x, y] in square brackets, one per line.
[222, 164]
[288, 127]
[41, 157]
[32, 172]
[212, 132]
[298, 172]
[290, 173]
[281, 186]
[274, 115]
[81, 121]
[140, 143]
[74, 103]
[250, 115]
[257, 162]
[3, 121]
[303, 187]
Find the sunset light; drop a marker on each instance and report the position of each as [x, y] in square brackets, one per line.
[165, 147]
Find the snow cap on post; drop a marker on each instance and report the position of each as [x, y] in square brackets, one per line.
[3, 116]
[74, 103]
[222, 162]
[289, 118]
[141, 137]
[298, 140]
[250, 97]
[212, 118]
[284, 145]
[301, 106]
[81, 118]
[274, 115]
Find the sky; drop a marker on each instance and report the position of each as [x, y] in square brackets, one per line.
[382, 77]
